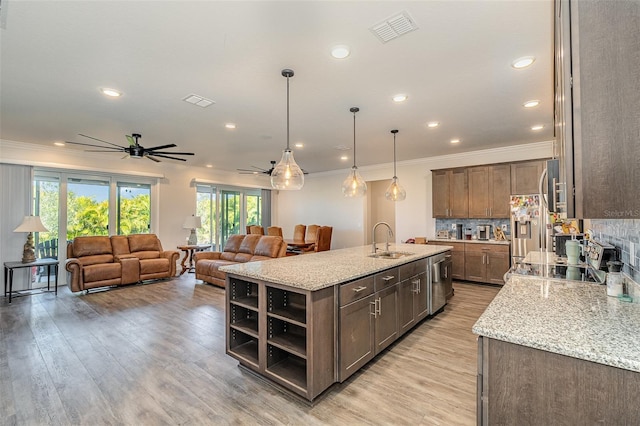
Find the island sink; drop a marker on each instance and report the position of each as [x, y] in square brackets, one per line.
[391, 254]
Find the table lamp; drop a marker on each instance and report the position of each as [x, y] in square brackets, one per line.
[192, 222]
[30, 224]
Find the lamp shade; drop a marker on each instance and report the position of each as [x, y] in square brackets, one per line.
[192, 222]
[31, 224]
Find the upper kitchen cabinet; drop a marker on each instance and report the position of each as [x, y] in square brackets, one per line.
[450, 193]
[525, 177]
[597, 92]
[489, 190]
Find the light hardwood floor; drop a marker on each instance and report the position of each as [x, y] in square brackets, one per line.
[154, 354]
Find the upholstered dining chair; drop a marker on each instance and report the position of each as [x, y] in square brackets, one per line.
[256, 229]
[276, 231]
[312, 236]
[323, 240]
[299, 232]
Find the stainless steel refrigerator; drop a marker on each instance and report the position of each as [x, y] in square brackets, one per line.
[527, 221]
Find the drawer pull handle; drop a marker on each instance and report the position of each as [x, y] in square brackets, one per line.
[359, 289]
[388, 278]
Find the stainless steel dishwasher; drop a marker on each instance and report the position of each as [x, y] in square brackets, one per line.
[440, 281]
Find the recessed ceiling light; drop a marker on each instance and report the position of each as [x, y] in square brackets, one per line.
[344, 158]
[230, 126]
[340, 52]
[433, 124]
[110, 92]
[58, 143]
[299, 145]
[532, 103]
[209, 166]
[523, 62]
[400, 98]
[537, 127]
[455, 141]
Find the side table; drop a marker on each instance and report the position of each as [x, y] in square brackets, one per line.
[188, 253]
[10, 266]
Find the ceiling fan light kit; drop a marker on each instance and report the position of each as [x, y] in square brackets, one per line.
[354, 185]
[395, 192]
[287, 175]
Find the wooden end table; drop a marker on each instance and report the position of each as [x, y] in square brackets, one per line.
[10, 266]
[188, 253]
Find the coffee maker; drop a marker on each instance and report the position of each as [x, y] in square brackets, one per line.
[484, 232]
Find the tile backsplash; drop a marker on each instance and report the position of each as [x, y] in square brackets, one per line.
[622, 234]
[446, 224]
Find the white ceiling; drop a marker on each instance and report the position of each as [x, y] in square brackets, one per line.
[455, 68]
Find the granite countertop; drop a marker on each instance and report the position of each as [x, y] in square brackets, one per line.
[570, 318]
[320, 270]
[455, 240]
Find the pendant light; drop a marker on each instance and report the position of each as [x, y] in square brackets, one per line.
[395, 192]
[354, 185]
[287, 174]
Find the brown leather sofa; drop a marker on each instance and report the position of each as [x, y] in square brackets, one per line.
[99, 261]
[239, 249]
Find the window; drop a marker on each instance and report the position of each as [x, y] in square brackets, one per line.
[134, 208]
[46, 191]
[227, 211]
[87, 207]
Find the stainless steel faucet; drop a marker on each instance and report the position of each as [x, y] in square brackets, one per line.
[373, 237]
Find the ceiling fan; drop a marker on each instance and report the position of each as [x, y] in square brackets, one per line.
[258, 170]
[135, 150]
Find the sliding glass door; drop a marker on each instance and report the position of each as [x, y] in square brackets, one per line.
[229, 214]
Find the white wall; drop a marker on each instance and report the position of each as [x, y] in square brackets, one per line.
[321, 201]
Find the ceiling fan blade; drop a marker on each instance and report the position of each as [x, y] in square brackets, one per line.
[154, 148]
[165, 156]
[99, 140]
[130, 139]
[119, 148]
[253, 171]
[248, 172]
[154, 152]
[105, 149]
[151, 158]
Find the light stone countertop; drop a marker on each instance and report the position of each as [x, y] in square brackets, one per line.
[320, 270]
[455, 240]
[566, 317]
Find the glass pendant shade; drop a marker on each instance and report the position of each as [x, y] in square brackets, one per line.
[395, 192]
[287, 175]
[354, 185]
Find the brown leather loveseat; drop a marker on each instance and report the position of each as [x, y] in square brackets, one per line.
[99, 261]
[238, 249]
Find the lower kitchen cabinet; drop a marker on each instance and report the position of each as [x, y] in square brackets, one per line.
[519, 385]
[486, 263]
[413, 297]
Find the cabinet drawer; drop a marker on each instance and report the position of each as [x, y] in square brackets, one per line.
[356, 290]
[386, 278]
[412, 269]
[495, 248]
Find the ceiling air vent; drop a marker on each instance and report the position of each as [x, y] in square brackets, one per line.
[198, 100]
[394, 27]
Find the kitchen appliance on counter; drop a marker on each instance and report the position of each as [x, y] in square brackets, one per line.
[484, 232]
[441, 281]
[597, 254]
[560, 241]
[526, 225]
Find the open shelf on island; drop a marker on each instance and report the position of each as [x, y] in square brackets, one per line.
[244, 293]
[287, 305]
[244, 346]
[243, 319]
[288, 336]
[287, 367]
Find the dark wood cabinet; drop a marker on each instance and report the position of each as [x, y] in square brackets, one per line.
[486, 262]
[450, 193]
[413, 297]
[598, 106]
[489, 190]
[525, 177]
[521, 385]
[356, 335]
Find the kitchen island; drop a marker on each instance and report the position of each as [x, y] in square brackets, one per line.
[558, 352]
[306, 322]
